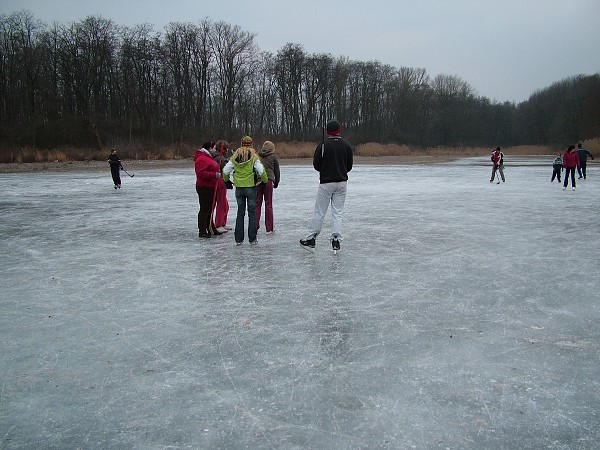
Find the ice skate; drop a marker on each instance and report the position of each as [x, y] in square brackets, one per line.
[308, 244]
[335, 244]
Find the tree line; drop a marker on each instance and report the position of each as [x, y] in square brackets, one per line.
[93, 84]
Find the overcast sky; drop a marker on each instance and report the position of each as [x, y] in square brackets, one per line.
[505, 49]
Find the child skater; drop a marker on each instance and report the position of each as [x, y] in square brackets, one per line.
[556, 168]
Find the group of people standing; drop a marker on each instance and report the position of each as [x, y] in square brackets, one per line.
[254, 175]
[573, 158]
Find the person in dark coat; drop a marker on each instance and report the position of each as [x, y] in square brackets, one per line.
[115, 168]
[333, 160]
[583, 153]
[264, 191]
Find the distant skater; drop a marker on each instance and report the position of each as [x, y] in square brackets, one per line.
[242, 166]
[264, 191]
[583, 153]
[115, 168]
[498, 165]
[556, 168]
[333, 160]
[570, 161]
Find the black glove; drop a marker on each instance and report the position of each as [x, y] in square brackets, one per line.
[275, 185]
[229, 185]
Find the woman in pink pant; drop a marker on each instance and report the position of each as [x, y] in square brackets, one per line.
[264, 191]
[221, 154]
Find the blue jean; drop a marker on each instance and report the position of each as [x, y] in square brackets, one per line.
[246, 200]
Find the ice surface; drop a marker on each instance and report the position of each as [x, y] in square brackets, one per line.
[458, 314]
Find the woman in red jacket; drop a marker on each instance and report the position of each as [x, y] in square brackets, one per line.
[208, 173]
[570, 162]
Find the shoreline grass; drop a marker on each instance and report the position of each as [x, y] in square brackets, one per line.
[284, 150]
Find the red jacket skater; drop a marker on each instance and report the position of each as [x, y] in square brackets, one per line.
[206, 169]
[571, 159]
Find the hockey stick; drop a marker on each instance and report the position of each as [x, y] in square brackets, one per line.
[130, 174]
[323, 135]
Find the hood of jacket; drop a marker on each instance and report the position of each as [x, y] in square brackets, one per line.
[263, 152]
[267, 149]
[199, 152]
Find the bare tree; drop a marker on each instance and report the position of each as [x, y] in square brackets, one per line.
[289, 69]
[451, 96]
[22, 60]
[202, 56]
[139, 77]
[235, 53]
[317, 86]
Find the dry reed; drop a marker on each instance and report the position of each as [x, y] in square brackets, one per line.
[284, 150]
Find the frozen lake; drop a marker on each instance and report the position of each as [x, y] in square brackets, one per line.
[458, 314]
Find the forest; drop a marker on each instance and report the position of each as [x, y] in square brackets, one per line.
[93, 84]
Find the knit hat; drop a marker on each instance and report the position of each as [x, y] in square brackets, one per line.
[333, 127]
[268, 145]
[246, 141]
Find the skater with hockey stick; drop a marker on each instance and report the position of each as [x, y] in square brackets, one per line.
[498, 165]
[115, 166]
[333, 160]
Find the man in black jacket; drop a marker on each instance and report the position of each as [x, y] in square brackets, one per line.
[583, 153]
[333, 160]
[115, 167]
